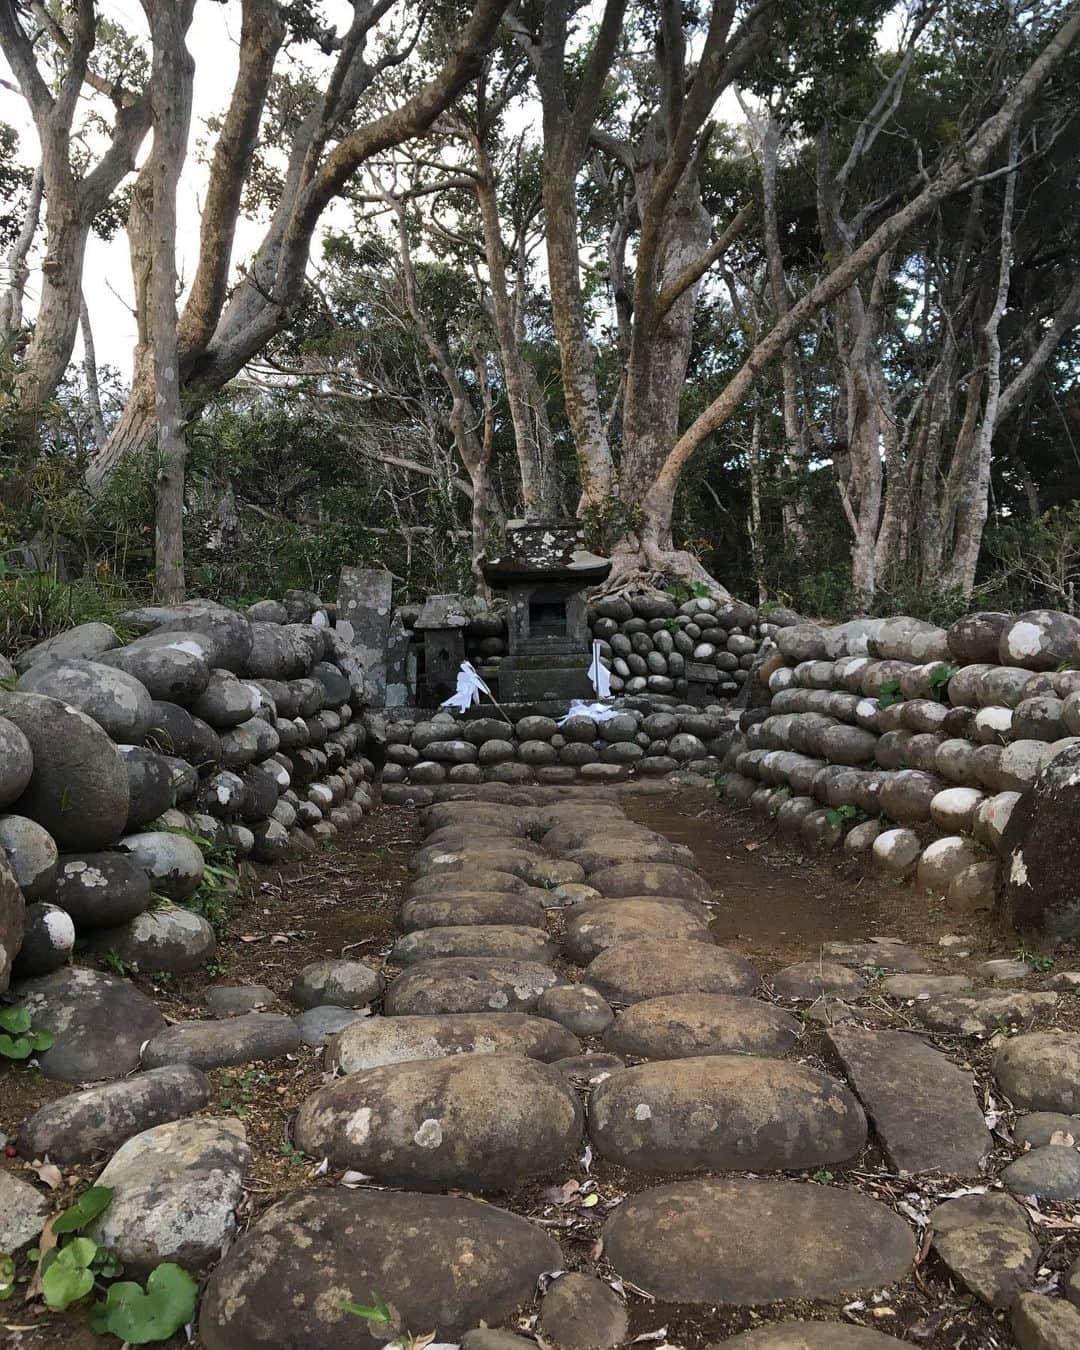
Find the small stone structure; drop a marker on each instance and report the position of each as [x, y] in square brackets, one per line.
[546, 570]
[363, 619]
[442, 623]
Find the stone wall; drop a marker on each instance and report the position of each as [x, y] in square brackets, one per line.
[907, 741]
[425, 751]
[240, 729]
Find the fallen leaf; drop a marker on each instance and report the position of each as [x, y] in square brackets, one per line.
[1062, 1137]
[48, 1173]
[660, 1335]
[353, 1179]
[589, 1201]
[559, 1195]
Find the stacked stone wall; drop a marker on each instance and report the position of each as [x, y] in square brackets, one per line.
[425, 751]
[906, 740]
[238, 729]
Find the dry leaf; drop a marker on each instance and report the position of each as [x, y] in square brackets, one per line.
[46, 1242]
[1062, 1137]
[48, 1173]
[589, 1201]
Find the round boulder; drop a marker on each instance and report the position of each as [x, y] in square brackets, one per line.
[174, 863]
[594, 928]
[374, 1041]
[165, 939]
[475, 1121]
[344, 984]
[577, 1007]
[31, 852]
[640, 879]
[1040, 1071]
[48, 940]
[87, 813]
[724, 1112]
[684, 1026]
[1040, 639]
[649, 968]
[16, 762]
[457, 984]
[116, 701]
[172, 673]
[100, 890]
[516, 941]
[470, 907]
[475, 1263]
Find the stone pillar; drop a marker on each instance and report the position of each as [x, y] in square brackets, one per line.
[364, 608]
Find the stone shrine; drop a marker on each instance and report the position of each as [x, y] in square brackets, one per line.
[545, 571]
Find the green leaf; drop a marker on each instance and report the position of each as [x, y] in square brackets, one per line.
[88, 1206]
[66, 1276]
[15, 1049]
[41, 1040]
[139, 1316]
[16, 1020]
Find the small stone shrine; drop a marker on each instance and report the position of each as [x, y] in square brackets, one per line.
[545, 571]
[442, 623]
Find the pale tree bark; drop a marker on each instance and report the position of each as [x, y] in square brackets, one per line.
[236, 327]
[73, 194]
[18, 269]
[956, 171]
[90, 374]
[172, 81]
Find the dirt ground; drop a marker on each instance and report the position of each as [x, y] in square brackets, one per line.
[774, 904]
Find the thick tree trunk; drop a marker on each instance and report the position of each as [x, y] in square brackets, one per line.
[171, 82]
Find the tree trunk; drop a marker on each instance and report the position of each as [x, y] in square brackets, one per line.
[171, 82]
[90, 374]
[11, 301]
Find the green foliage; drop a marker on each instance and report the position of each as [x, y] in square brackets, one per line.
[844, 815]
[7, 1276]
[140, 1316]
[889, 693]
[220, 880]
[86, 1209]
[66, 1275]
[18, 1039]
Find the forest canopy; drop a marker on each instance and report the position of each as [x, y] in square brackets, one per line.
[782, 300]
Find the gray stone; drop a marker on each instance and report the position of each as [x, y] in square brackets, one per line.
[808, 980]
[1004, 968]
[885, 955]
[484, 1338]
[78, 1127]
[169, 672]
[23, 1212]
[594, 927]
[722, 1112]
[468, 907]
[1040, 1127]
[1042, 850]
[84, 642]
[1041, 1071]
[996, 1262]
[16, 762]
[226, 701]
[989, 1209]
[982, 1011]
[99, 890]
[164, 939]
[98, 1020]
[1040, 639]
[47, 942]
[317, 1025]
[922, 1106]
[87, 814]
[348, 984]
[150, 786]
[577, 1007]
[642, 969]
[476, 1263]
[682, 1026]
[364, 616]
[393, 1040]
[749, 1242]
[1049, 1173]
[119, 704]
[609, 850]
[580, 1312]
[175, 1192]
[228, 633]
[480, 1122]
[231, 1040]
[641, 879]
[461, 984]
[810, 1336]
[923, 986]
[1041, 1323]
[12, 921]
[515, 941]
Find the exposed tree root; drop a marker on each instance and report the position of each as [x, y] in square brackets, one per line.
[644, 567]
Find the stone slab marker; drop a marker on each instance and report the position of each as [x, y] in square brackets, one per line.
[922, 1106]
[364, 611]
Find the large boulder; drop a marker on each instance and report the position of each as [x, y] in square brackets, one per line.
[100, 890]
[1040, 1071]
[99, 1023]
[31, 852]
[86, 809]
[16, 762]
[116, 701]
[176, 1188]
[749, 1242]
[84, 642]
[78, 1127]
[682, 1026]
[212, 1043]
[228, 631]
[516, 941]
[462, 984]
[722, 1113]
[648, 968]
[345, 984]
[12, 920]
[445, 1264]
[150, 785]
[468, 907]
[477, 1122]
[173, 863]
[374, 1041]
[167, 939]
[1041, 846]
[1040, 639]
[169, 671]
[596, 926]
[47, 942]
[643, 878]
